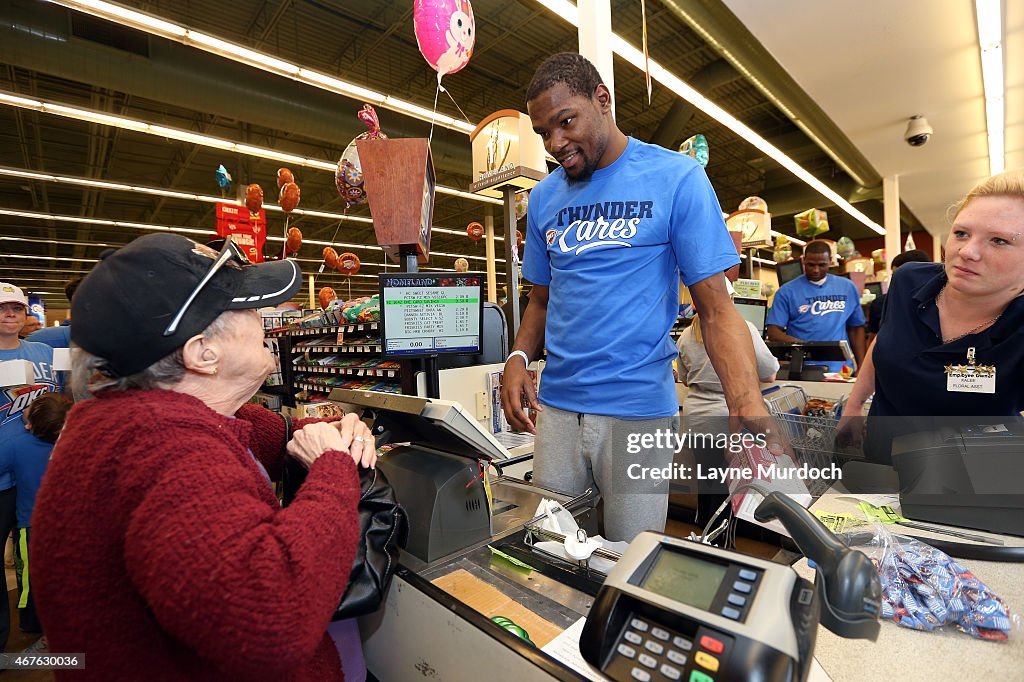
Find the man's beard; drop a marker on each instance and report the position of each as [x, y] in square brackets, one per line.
[585, 173]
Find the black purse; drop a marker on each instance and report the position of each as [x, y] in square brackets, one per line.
[384, 528]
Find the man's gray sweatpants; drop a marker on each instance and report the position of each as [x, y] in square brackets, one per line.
[575, 451]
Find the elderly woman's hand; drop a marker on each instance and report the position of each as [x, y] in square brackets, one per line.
[358, 438]
[348, 435]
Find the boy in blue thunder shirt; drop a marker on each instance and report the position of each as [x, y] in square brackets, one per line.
[608, 234]
[817, 306]
[26, 456]
[13, 401]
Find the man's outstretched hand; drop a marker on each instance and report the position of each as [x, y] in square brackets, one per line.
[517, 394]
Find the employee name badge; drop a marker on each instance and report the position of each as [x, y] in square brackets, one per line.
[972, 377]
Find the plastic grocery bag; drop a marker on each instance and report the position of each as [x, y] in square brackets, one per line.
[924, 588]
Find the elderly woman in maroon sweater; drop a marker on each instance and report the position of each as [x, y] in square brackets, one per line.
[159, 548]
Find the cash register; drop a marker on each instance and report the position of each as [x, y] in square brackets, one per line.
[434, 468]
[964, 474]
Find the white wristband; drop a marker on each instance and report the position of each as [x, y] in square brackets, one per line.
[521, 354]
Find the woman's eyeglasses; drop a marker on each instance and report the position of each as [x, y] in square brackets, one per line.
[230, 251]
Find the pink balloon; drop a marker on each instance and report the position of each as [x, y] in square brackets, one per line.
[445, 33]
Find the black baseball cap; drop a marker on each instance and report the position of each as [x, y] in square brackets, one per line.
[125, 304]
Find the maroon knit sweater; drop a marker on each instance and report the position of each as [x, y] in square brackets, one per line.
[160, 551]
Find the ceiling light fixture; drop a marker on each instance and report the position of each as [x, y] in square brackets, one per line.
[990, 41]
[569, 12]
[195, 138]
[205, 233]
[223, 48]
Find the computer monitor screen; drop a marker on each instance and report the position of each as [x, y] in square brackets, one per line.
[875, 288]
[789, 271]
[428, 313]
[753, 310]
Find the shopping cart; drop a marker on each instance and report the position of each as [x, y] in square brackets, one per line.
[812, 435]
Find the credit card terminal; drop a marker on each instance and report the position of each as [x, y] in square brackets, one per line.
[674, 609]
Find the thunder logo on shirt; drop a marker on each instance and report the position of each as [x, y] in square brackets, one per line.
[823, 305]
[609, 223]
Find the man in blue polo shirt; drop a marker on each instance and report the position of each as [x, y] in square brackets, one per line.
[817, 306]
[608, 234]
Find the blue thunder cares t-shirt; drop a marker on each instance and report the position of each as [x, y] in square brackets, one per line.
[611, 249]
[817, 313]
[14, 399]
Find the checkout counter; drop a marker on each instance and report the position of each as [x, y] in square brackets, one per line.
[473, 561]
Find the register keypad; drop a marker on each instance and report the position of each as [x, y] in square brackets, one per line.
[653, 653]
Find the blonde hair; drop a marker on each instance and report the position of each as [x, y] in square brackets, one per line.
[1006, 184]
[695, 326]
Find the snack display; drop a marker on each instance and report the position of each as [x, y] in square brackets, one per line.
[363, 309]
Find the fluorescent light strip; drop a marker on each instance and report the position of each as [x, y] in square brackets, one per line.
[990, 41]
[259, 60]
[568, 11]
[194, 138]
[61, 258]
[206, 233]
[801, 242]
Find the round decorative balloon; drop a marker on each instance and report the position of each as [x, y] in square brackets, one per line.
[289, 197]
[348, 264]
[445, 33]
[293, 241]
[254, 198]
[475, 231]
[327, 295]
[878, 255]
[284, 176]
[845, 247]
[522, 203]
[330, 257]
[348, 177]
[461, 265]
[697, 147]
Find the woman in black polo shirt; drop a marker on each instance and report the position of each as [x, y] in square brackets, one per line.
[951, 342]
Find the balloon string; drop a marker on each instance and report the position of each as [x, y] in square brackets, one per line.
[437, 92]
[321, 270]
[448, 92]
[647, 61]
[284, 247]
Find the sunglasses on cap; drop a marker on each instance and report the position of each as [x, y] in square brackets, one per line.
[229, 252]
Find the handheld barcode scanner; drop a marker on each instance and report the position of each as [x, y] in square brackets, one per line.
[681, 610]
[848, 580]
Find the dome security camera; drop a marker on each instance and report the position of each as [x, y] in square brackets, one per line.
[918, 131]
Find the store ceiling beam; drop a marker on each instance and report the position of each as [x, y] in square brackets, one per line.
[674, 126]
[720, 28]
[186, 77]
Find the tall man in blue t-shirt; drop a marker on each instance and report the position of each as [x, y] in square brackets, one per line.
[13, 401]
[817, 306]
[608, 234]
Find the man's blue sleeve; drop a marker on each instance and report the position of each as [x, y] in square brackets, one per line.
[778, 314]
[700, 241]
[536, 265]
